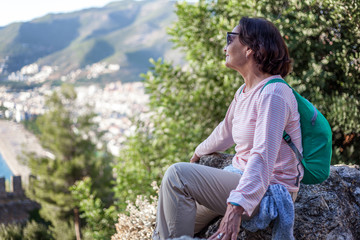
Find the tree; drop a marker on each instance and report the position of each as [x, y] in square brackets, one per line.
[323, 39]
[71, 136]
[99, 219]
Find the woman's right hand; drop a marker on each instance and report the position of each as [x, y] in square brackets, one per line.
[194, 158]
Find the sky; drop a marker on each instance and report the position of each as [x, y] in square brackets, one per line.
[26, 10]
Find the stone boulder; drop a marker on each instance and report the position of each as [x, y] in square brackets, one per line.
[330, 210]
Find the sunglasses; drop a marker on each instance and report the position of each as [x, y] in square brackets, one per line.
[230, 37]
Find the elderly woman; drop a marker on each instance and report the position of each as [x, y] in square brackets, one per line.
[191, 195]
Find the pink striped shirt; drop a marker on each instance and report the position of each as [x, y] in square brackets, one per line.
[255, 122]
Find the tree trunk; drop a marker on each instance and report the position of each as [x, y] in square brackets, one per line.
[77, 224]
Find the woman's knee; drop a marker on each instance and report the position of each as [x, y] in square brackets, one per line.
[176, 173]
[175, 170]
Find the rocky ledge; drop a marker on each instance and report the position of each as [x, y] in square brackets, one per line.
[330, 210]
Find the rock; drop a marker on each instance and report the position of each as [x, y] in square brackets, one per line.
[216, 160]
[187, 238]
[330, 210]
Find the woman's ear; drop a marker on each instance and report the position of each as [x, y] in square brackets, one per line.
[249, 51]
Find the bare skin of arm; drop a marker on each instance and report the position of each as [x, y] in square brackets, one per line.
[230, 224]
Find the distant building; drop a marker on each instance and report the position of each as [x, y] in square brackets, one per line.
[14, 205]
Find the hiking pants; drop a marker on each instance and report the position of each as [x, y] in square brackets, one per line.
[191, 195]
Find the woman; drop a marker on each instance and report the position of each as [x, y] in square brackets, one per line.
[191, 195]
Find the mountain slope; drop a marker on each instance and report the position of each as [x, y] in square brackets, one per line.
[126, 33]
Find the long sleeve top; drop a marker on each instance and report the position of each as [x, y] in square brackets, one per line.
[255, 122]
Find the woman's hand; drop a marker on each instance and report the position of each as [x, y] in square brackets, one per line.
[194, 158]
[230, 225]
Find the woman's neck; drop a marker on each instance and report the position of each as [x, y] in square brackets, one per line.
[253, 78]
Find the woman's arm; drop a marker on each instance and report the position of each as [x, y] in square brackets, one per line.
[230, 224]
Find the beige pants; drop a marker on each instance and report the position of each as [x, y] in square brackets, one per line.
[190, 196]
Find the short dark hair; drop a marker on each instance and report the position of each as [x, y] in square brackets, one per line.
[270, 51]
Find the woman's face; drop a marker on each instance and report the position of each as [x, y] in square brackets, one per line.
[235, 52]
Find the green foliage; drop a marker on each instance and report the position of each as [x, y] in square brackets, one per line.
[10, 232]
[71, 136]
[32, 126]
[62, 229]
[2, 110]
[323, 39]
[138, 166]
[32, 230]
[38, 231]
[99, 219]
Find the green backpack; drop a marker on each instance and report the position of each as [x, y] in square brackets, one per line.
[316, 141]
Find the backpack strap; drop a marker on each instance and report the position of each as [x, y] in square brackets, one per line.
[286, 136]
[299, 156]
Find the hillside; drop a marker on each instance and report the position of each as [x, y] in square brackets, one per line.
[127, 33]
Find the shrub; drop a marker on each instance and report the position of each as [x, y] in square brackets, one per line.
[38, 231]
[10, 232]
[140, 223]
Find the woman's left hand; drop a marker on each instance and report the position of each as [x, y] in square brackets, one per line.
[230, 225]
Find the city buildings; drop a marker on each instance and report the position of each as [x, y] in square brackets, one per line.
[115, 106]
